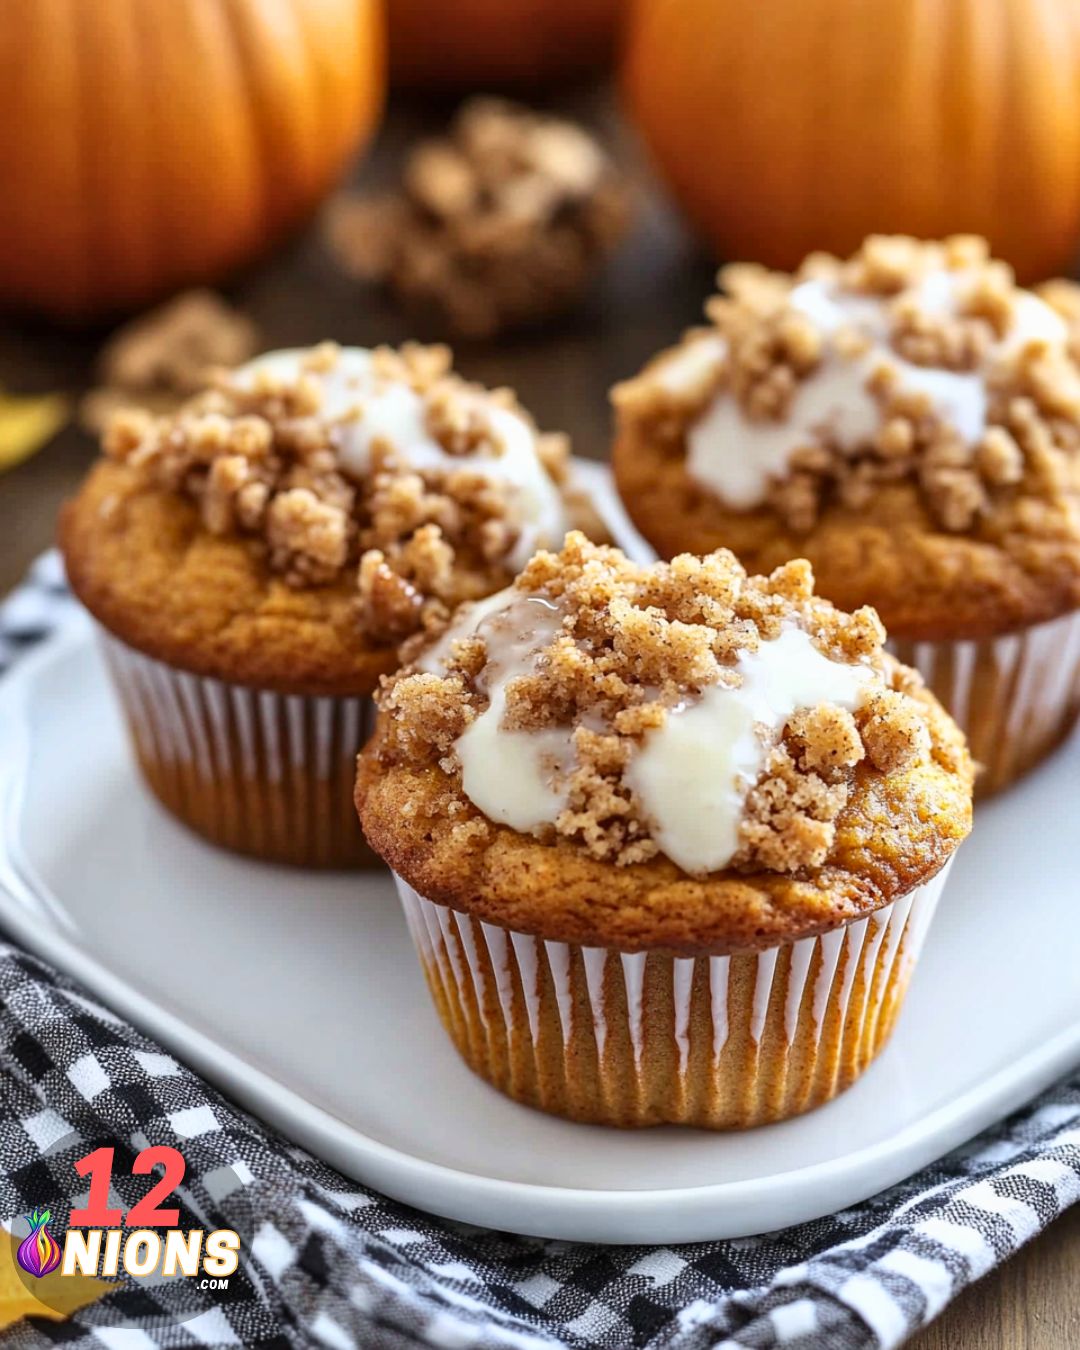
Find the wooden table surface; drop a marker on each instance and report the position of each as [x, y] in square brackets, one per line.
[645, 297]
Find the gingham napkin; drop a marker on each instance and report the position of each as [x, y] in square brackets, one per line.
[329, 1263]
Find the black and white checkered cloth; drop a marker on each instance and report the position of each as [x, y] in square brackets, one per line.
[328, 1263]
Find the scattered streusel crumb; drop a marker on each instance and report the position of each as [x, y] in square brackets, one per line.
[498, 224]
[161, 358]
[634, 642]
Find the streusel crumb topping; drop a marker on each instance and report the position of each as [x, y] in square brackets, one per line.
[619, 652]
[386, 464]
[908, 361]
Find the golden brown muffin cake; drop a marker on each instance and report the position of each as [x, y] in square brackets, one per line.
[653, 825]
[257, 558]
[909, 421]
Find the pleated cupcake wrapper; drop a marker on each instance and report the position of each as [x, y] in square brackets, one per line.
[1015, 697]
[639, 1039]
[265, 774]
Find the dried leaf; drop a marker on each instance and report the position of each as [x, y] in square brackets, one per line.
[27, 422]
[54, 1296]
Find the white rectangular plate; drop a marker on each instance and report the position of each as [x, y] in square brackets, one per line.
[300, 996]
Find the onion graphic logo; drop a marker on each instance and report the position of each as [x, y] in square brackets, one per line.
[39, 1251]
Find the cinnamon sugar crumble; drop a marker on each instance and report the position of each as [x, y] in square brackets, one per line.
[906, 306]
[262, 457]
[161, 358]
[499, 223]
[633, 642]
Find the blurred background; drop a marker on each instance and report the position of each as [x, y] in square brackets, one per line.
[548, 185]
[184, 182]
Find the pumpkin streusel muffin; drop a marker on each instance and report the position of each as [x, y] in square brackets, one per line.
[255, 560]
[909, 421]
[668, 838]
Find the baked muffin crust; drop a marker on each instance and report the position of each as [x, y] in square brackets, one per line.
[139, 559]
[849, 809]
[292, 525]
[908, 420]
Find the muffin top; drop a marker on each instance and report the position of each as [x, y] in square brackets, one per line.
[908, 419]
[290, 526]
[678, 755]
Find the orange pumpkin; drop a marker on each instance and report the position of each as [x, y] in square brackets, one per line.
[784, 126]
[465, 44]
[149, 144]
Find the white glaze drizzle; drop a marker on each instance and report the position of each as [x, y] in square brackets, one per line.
[366, 408]
[690, 776]
[738, 457]
[517, 778]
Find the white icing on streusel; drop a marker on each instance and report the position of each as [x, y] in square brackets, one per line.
[690, 776]
[369, 408]
[517, 778]
[738, 457]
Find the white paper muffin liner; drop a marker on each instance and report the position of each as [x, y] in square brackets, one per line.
[265, 774]
[1015, 697]
[637, 1039]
